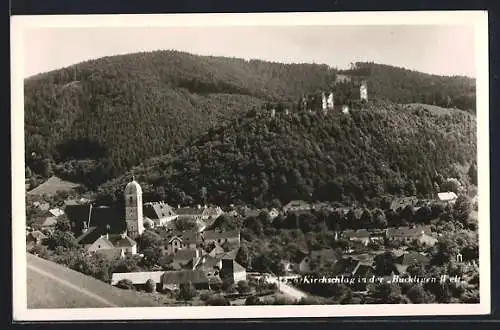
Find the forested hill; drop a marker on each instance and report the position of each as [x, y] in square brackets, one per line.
[97, 119]
[408, 86]
[382, 148]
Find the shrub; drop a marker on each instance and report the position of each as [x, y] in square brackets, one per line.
[125, 284]
[253, 300]
[217, 300]
[187, 291]
[150, 286]
[243, 287]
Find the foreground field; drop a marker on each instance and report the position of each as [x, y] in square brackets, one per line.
[53, 286]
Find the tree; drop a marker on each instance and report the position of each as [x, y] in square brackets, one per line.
[384, 264]
[473, 173]
[150, 286]
[253, 300]
[64, 239]
[462, 209]
[243, 287]
[217, 300]
[63, 223]
[418, 295]
[187, 291]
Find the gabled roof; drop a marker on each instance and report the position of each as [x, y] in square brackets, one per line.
[90, 236]
[157, 210]
[105, 241]
[187, 237]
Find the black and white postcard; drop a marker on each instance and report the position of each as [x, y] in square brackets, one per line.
[250, 165]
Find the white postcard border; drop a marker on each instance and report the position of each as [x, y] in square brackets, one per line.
[19, 24]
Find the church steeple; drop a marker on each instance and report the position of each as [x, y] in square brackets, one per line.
[133, 209]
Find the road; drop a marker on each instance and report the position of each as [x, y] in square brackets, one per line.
[287, 289]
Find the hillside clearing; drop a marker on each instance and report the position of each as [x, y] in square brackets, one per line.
[52, 186]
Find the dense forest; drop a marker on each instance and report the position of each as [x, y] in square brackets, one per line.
[379, 148]
[95, 120]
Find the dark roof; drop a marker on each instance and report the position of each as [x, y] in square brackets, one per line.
[217, 251]
[193, 211]
[157, 210]
[213, 235]
[90, 236]
[185, 276]
[231, 254]
[100, 216]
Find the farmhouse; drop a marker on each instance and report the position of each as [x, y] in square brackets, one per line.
[160, 213]
[296, 206]
[232, 238]
[360, 235]
[120, 242]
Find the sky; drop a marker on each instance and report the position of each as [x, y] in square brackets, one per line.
[436, 49]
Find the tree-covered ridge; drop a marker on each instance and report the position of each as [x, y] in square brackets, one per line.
[381, 148]
[408, 86]
[99, 118]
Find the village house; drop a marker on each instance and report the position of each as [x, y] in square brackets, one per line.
[160, 213]
[211, 213]
[422, 234]
[231, 238]
[448, 198]
[407, 259]
[184, 259]
[185, 240]
[120, 242]
[296, 206]
[360, 235]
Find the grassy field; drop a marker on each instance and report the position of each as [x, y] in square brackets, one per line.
[52, 186]
[50, 285]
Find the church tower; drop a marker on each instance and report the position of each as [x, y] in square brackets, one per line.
[133, 209]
